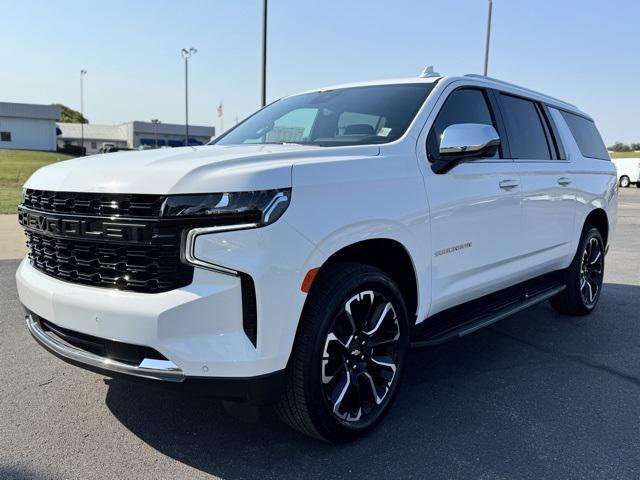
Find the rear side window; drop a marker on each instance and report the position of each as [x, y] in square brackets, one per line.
[462, 106]
[525, 128]
[586, 135]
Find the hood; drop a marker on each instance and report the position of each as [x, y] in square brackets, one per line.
[209, 168]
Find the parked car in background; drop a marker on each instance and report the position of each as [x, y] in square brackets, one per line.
[113, 148]
[295, 259]
[628, 171]
[107, 147]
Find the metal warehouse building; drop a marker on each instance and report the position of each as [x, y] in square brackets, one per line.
[28, 126]
[132, 135]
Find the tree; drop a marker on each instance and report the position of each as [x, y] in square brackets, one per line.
[70, 115]
[623, 147]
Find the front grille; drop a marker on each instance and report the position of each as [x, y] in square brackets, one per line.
[105, 240]
[101, 204]
[141, 268]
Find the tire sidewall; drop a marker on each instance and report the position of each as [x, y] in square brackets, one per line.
[332, 428]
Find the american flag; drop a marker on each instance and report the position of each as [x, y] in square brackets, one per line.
[220, 110]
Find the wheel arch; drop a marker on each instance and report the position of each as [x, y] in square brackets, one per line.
[390, 256]
[598, 218]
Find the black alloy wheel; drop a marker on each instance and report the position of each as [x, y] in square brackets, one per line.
[360, 357]
[584, 277]
[591, 271]
[349, 354]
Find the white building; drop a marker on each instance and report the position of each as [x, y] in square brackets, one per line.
[132, 135]
[28, 126]
[95, 136]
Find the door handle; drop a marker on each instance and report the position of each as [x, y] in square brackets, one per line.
[508, 184]
[564, 181]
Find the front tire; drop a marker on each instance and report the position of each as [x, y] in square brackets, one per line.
[584, 276]
[348, 356]
[625, 181]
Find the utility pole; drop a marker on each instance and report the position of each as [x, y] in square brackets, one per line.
[486, 48]
[82, 74]
[155, 122]
[186, 54]
[264, 53]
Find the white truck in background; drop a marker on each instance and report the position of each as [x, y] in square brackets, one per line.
[628, 171]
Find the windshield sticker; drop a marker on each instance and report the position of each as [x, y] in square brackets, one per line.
[384, 132]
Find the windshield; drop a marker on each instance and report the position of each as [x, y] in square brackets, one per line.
[348, 116]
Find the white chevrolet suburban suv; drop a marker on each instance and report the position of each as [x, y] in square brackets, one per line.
[295, 259]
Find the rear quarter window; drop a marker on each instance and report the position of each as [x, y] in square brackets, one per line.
[586, 135]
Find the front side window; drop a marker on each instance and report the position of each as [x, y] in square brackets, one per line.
[347, 116]
[523, 122]
[586, 135]
[465, 105]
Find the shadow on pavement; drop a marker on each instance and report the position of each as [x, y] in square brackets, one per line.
[527, 398]
[20, 473]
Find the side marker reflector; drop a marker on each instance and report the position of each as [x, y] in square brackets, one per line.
[308, 279]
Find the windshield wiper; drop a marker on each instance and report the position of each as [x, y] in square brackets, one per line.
[289, 143]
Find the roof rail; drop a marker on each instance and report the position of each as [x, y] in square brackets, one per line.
[502, 82]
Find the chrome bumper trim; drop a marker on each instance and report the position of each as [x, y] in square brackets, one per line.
[149, 368]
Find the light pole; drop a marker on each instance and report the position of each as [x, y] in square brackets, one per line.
[82, 74]
[486, 47]
[264, 53]
[155, 122]
[186, 54]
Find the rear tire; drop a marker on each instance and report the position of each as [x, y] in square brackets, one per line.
[584, 276]
[625, 181]
[348, 356]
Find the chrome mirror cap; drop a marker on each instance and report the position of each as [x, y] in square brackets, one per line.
[468, 138]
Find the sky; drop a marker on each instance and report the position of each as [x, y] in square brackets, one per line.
[586, 52]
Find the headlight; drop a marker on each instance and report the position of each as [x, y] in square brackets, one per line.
[225, 211]
[258, 207]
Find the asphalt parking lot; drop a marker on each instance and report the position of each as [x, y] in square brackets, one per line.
[537, 396]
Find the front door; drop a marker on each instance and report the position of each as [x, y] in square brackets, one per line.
[476, 212]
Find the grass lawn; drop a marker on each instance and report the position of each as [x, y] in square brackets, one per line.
[624, 154]
[15, 167]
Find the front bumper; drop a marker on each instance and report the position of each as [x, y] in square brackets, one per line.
[198, 328]
[259, 390]
[148, 368]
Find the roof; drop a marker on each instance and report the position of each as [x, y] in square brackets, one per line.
[502, 83]
[370, 83]
[488, 81]
[93, 132]
[29, 110]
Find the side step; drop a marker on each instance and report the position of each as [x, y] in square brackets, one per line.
[488, 318]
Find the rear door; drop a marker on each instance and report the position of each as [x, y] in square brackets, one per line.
[548, 193]
[476, 217]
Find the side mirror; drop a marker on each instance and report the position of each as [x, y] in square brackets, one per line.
[465, 141]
